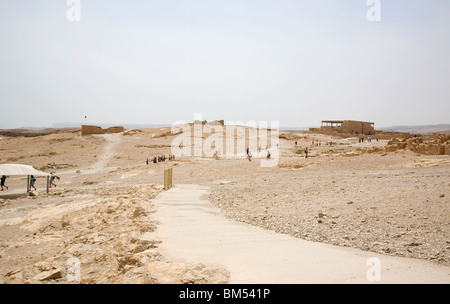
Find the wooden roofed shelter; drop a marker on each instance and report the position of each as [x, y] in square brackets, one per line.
[23, 170]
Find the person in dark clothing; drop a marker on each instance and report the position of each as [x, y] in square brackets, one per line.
[2, 182]
[32, 181]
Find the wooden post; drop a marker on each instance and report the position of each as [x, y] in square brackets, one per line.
[167, 178]
[48, 182]
[28, 184]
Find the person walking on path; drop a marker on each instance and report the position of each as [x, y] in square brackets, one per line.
[3, 179]
[32, 181]
[52, 179]
[306, 152]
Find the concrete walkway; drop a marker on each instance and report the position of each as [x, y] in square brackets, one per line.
[195, 231]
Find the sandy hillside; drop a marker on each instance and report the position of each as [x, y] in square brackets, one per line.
[100, 213]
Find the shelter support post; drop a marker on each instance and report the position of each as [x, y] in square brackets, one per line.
[28, 184]
[48, 182]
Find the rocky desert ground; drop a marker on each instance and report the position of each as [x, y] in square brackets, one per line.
[378, 196]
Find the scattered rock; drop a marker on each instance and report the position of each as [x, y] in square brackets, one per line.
[65, 222]
[16, 276]
[139, 248]
[111, 238]
[49, 275]
[138, 212]
[414, 244]
[41, 267]
[13, 272]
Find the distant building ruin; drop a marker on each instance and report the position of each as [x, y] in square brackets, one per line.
[214, 122]
[87, 130]
[349, 126]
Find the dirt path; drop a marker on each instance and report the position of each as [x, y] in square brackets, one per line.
[193, 230]
[112, 140]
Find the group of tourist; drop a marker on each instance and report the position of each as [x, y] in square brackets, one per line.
[362, 139]
[319, 143]
[249, 154]
[161, 158]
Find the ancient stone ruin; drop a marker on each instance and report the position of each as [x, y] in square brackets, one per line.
[352, 128]
[349, 126]
[87, 130]
[214, 122]
[432, 144]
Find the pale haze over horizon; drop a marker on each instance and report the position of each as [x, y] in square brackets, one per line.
[157, 62]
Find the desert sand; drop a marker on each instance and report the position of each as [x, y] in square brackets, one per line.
[385, 201]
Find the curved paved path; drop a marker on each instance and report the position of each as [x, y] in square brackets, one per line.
[195, 231]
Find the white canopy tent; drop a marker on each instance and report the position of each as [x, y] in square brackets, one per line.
[22, 170]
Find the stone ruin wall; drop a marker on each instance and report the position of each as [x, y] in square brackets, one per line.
[389, 135]
[115, 130]
[349, 126]
[214, 122]
[88, 130]
[434, 144]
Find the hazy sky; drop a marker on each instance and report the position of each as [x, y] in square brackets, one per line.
[293, 61]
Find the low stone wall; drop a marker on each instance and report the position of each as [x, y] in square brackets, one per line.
[87, 130]
[115, 130]
[388, 135]
[427, 145]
